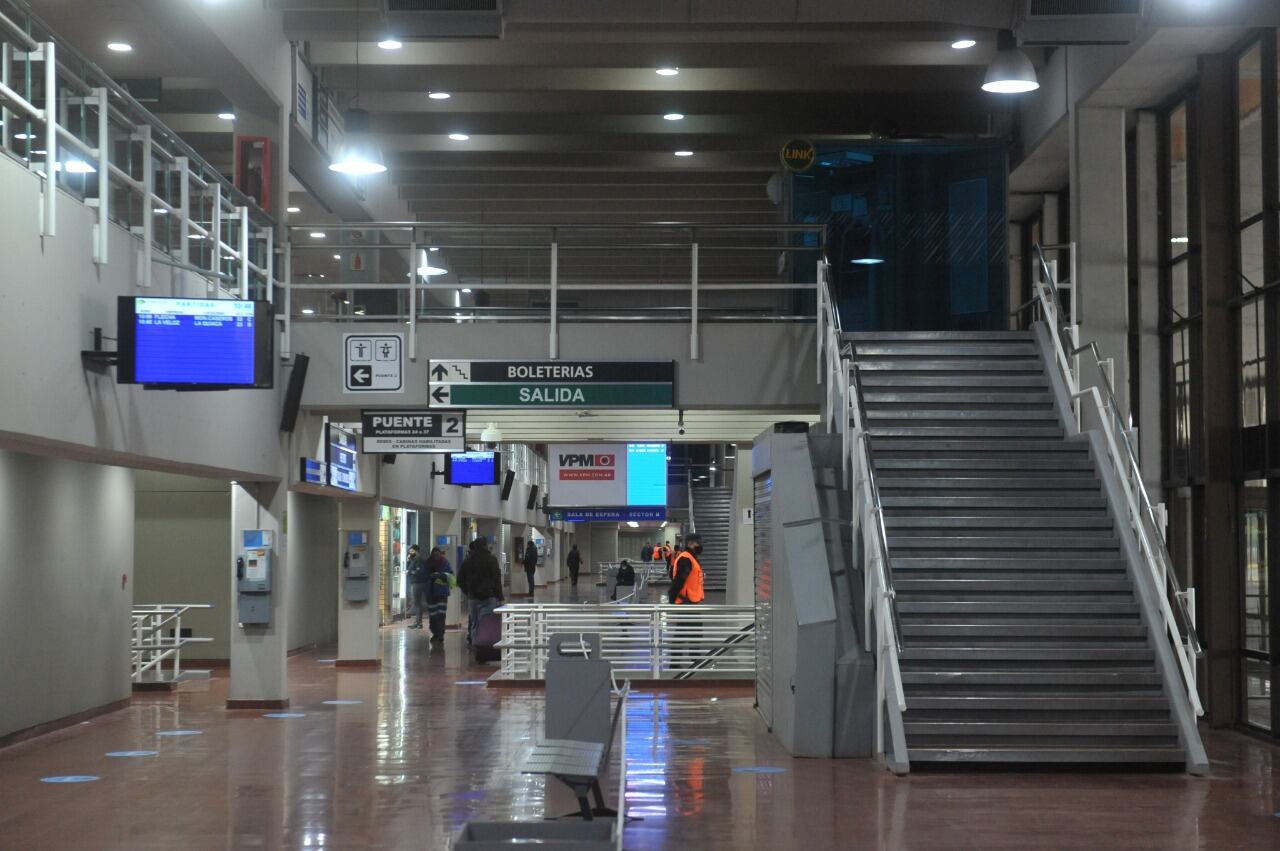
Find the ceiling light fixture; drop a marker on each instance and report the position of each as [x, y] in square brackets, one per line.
[867, 261]
[293, 209]
[633, 524]
[120, 47]
[75, 167]
[684, 153]
[227, 116]
[433, 248]
[358, 155]
[439, 95]
[390, 44]
[427, 270]
[337, 257]
[317, 234]
[667, 72]
[308, 311]
[1011, 72]
[23, 136]
[674, 116]
[1180, 240]
[459, 137]
[466, 290]
[963, 43]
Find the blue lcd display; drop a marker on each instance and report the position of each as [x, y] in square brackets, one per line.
[194, 341]
[646, 474]
[473, 468]
[344, 471]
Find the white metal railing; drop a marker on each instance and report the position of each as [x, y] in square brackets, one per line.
[157, 638]
[121, 160]
[844, 412]
[554, 273]
[1177, 606]
[657, 642]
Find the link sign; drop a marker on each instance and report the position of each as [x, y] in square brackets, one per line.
[552, 384]
[413, 432]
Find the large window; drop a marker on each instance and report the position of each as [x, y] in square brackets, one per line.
[1177, 314]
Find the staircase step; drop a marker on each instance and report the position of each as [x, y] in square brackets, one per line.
[1007, 464]
[987, 542]
[1029, 653]
[1029, 364]
[864, 349]
[1000, 483]
[886, 447]
[1041, 755]
[957, 336]
[1065, 678]
[926, 432]
[968, 563]
[1080, 525]
[1019, 605]
[962, 587]
[1022, 502]
[952, 382]
[1025, 398]
[1064, 702]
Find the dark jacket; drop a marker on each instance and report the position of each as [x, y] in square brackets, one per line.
[626, 574]
[575, 559]
[417, 571]
[530, 556]
[480, 577]
[437, 574]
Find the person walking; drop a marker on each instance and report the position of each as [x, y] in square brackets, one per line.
[530, 562]
[480, 579]
[575, 564]
[686, 573]
[646, 552]
[440, 581]
[416, 572]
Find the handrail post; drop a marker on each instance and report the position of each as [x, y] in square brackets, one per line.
[413, 297]
[243, 214]
[820, 320]
[102, 236]
[286, 349]
[148, 191]
[269, 264]
[49, 52]
[215, 234]
[184, 210]
[554, 342]
[693, 303]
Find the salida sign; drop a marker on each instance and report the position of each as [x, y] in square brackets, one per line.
[551, 384]
[588, 467]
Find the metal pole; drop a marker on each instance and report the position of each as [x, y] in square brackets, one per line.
[693, 326]
[6, 62]
[286, 350]
[243, 214]
[215, 233]
[821, 320]
[413, 298]
[184, 204]
[51, 139]
[102, 240]
[555, 297]
[148, 191]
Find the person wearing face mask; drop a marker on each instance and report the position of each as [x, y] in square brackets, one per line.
[686, 573]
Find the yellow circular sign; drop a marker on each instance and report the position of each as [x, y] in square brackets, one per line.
[799, 155]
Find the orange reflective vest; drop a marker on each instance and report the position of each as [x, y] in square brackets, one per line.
[692, 592]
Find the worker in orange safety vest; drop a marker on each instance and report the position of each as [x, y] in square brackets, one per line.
[686, 573]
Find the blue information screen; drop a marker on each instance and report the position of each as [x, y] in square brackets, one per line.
[344, 471]
[646, 474]
[194, 341]
[473, 468]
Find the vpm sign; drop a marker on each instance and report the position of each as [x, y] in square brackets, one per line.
[588, 467]
[596, 475]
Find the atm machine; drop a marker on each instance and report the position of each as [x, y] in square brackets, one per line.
[254, 566]
[357, 566]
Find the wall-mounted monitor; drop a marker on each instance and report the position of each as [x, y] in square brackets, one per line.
[471, 468]
[599, 475]
[194, 343]
[342, 458]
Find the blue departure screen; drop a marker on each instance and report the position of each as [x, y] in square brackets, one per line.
[194, 341]
[646, 474]
[473, 468]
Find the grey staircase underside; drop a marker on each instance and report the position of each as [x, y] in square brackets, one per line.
[711, 518]
[1023, 641]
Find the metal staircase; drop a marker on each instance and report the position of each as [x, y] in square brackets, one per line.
[1022, 635]
[711, 509]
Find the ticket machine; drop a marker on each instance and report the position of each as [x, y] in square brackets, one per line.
[254, 568]
[356, 567]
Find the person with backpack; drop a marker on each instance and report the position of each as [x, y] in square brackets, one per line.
[480, 579]
[530, 562]
[440, 580]
[416, 572]
[575, 564]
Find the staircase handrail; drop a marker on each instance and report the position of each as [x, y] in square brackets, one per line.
[1178, 619]
[844, 411]
[688, 483]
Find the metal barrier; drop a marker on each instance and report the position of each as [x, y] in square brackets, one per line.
[656, 642]
[121, 160]
[151, 647]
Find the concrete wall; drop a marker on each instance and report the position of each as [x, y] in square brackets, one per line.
[182, 553]
[313, 571]
[767, 352]
[54, 296]
[67, 579]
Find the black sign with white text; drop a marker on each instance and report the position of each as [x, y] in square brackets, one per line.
[414, 431]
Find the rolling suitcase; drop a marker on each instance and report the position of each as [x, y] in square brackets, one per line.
[488, 634]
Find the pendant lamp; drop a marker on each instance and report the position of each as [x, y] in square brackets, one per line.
[1010, 72]
[358, 155]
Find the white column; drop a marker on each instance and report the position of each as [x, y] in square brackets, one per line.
[258, 653]
[740, 587]
[358, 621]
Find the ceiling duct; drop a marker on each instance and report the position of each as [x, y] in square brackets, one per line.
[432, 19]
[1057, 22]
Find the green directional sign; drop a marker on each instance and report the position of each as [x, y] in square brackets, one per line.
[552, 384]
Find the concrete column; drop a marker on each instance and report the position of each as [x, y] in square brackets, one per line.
[740, 587]
[1146, 372]
[1098, 225]
[358, 622]
[258, 673]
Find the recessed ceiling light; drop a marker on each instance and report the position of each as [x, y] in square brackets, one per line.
[674, 116]
[196, 236]
[459, 137]
[23, 136]
[431, 270]
[346, 301]
[1181, 240]
[337, 257]
[76, 167]
[684, 153]
[308, 311]
[466, 289]
[227, 116]
[439, 95]
[433, 248]
[317, 234]
[867, 261]
[39, 152]
[390, 44]
[667, 72]
[293, 209]
[120, 46]
[160, 211]
[963, 43]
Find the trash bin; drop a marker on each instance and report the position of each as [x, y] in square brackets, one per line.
[547, 835]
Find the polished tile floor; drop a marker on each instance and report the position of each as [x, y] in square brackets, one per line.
[423, 750]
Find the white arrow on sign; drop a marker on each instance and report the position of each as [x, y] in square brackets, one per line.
[440, 394]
